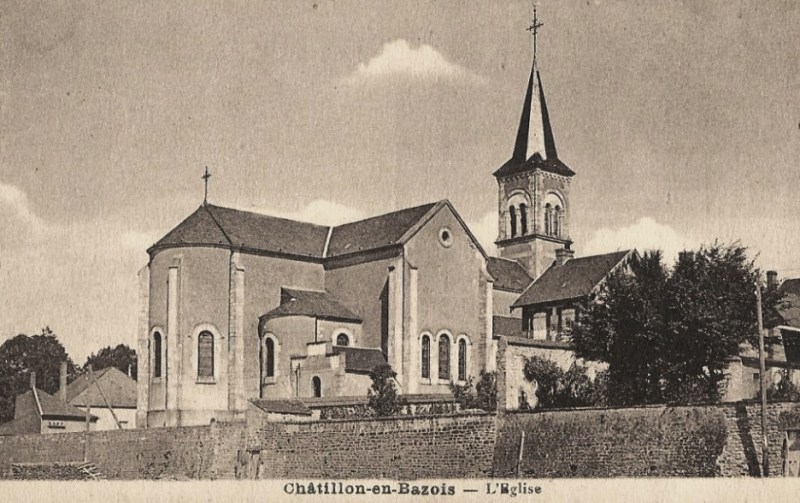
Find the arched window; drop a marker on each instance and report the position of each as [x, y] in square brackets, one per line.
[269, 357]
[462, 360]
[523, 219]
[444, 357]
[156, 354]
[205, 354]
[426, 357]
[548, 219]
[342, 340]
[316, 383]
[512, 216]
[557, 222]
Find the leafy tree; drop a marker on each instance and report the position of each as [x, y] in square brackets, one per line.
[784, 391]
[556, 388]
[483, 397]
[666, 335]
[21, 355]
[121, 357]
[547, 376]
[383, 397]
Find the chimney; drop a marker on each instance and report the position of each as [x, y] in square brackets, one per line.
[33, 380]
[62, 382]
[563, 255]
[772, 279]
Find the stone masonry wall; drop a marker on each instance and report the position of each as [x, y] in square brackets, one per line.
[396, 448]
[184, 452]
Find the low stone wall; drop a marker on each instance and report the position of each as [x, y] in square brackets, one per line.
[397, 448]
[188, 452]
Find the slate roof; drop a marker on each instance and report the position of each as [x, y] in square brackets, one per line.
[119, 389]
[575, 279]
[282, 406]
[28, 423]
[789, 307]
[51, 406]
[375, 232]
[360, 360]
[505, 325]
[296, 302]
[227, 227]
[508, 274]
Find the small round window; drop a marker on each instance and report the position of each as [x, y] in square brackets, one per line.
[446, 237]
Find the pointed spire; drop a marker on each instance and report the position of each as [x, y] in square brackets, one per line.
[535, 136]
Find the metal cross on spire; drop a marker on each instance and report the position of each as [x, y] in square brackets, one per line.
[205, 178]
[534, 29]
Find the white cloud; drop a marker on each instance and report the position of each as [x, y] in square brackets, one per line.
[645, 234]
[485, 230]
[319, 211]
[19, 222]
[399, 58]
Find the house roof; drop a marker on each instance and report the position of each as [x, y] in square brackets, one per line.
[789, 307]
[505, 325]
[322, 305]
[375, 232]
[282, 406]
[29, 423]
[118, 388]
[362, 360]
[576, 278]
[49, 406]
[508, 274]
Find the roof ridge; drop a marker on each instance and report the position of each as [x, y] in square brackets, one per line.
[601, 254]
[230, 241]
[410, 208]
[268, 215]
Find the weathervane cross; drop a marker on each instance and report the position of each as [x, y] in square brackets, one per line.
[205, 178]
[534, 29]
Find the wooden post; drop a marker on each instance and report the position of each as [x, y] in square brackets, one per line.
[521, 450]
[762, 368]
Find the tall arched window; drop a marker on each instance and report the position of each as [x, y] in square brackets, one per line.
[205, 354]
[316, 383]
[269, 357]
[156, 354]
[548, 219]
[523, 219]
[426, 357]
[557, 222]
[512, 216]
[462, 360]
[444, 357]
[342, 340]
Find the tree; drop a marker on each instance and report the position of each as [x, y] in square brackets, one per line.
[21, 355]
[383, 397]
[547, 376]
[556, 388]
[121, 357]
[666, 335]
[483, 397]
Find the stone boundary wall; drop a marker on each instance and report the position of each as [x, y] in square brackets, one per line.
[652, 441]
[195, 452]
[403, 447]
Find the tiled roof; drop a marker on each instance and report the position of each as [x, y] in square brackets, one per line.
[321, 305]
[361, 360]
[508, 274]
[375, 232]
[29, 423]
[282, 406]
[226, 227]
[218, 226]
[118, 388]
[51, 406]
[504, 325]
[575, 279]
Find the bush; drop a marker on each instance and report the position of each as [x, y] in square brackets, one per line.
[559, 389]
[483, 397]
[383, 397]
[784, 391]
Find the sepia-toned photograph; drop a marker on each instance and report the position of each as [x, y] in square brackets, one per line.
[403, 250]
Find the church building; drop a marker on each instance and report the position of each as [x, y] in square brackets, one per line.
[238, 306]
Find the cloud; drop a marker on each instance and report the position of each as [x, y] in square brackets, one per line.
[399, 58]
[319, 211]
[18, 220]
[485, 230]
[645, 234]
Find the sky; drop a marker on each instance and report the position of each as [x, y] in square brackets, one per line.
[681, 120]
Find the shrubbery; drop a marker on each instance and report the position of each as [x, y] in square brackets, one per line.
[559, 389]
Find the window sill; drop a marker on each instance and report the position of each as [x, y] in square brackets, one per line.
[425, 380]
[206, 380]
[156, 379]
[271, 380]
[444, 381]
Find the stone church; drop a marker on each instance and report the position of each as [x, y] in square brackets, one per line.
[237, 306]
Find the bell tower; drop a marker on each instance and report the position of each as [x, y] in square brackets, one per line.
[533, 185]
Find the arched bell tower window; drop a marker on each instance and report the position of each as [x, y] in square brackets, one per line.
[512, 215]
[548, 219]
[557, 222]
[523, 219]
[554, 215]
[342, 340]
